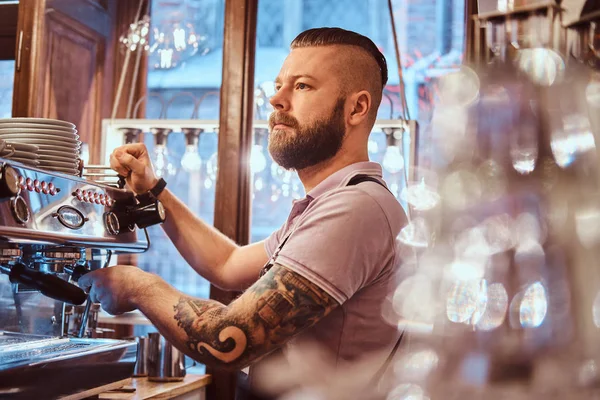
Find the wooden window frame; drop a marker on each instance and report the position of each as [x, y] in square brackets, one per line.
[233, 190]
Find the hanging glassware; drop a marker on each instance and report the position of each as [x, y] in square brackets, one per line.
[258, 161]
[137, 35]
[281, 175]
[174, 42]
[212, 167]
[163, 165]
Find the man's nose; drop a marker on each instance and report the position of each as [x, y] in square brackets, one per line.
[280, 101]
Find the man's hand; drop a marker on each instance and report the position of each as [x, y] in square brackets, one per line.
[133, 162]
[117, 288]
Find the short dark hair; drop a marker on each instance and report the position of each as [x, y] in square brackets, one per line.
[339, 36]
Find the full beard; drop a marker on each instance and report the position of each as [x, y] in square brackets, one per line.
[311, 144]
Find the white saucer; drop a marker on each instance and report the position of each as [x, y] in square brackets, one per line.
[61, 158]
[50, 149]
[70, 171]
[26, 161]
[48, 142]
[22, 146]
[59, 164]
[46, 121]
[19, 154]
[27, 127]
[36, 136]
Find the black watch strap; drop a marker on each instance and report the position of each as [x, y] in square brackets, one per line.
[153, 193]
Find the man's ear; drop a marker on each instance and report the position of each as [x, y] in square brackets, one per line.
[361, 105]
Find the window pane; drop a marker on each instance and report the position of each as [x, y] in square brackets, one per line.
[184, 71]
[7, 76]
[431, 39]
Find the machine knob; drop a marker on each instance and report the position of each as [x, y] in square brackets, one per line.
[20, 209]
[112, 223]
[145, 215]
[9, 181]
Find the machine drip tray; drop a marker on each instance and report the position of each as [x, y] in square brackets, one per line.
[47, 367]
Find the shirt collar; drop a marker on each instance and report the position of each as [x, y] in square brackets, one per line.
[342, 177]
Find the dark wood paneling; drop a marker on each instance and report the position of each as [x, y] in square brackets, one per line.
[232, 202]
[93, 14]
[75, 96]
[8, 30]
[65, 70]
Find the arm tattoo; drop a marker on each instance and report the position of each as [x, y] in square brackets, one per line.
[273, 310]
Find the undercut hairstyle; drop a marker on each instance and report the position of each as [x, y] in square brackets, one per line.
[362, 69]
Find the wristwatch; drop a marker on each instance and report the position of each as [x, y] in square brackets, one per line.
[152, 194]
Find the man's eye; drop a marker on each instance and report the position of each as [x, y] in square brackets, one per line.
[301, 86]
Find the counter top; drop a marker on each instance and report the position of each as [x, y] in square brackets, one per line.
[129, 318]
[143, 389]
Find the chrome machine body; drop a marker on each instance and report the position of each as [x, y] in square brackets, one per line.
[54, 228]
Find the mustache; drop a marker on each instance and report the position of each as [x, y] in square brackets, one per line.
[281, 118]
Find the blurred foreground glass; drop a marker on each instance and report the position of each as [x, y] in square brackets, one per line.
[503, 300]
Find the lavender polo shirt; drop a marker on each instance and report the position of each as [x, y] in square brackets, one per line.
[343, 240]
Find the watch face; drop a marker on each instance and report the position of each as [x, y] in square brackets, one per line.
[161, 210]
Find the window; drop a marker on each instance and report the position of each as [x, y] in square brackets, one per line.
[7, 72]
[431, 40]
[175, 86]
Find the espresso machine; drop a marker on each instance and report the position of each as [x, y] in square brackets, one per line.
[54, 228]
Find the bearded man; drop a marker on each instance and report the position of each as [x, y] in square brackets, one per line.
[323, 276]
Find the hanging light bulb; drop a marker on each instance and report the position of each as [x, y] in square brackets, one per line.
[191, 161]
[393, 161]
[162, 162]
[163, 165]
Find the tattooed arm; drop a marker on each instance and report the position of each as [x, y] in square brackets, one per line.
[273, 310]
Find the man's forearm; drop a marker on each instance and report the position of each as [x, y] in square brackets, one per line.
[199, 327]
[203, 247]
[278, 306]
